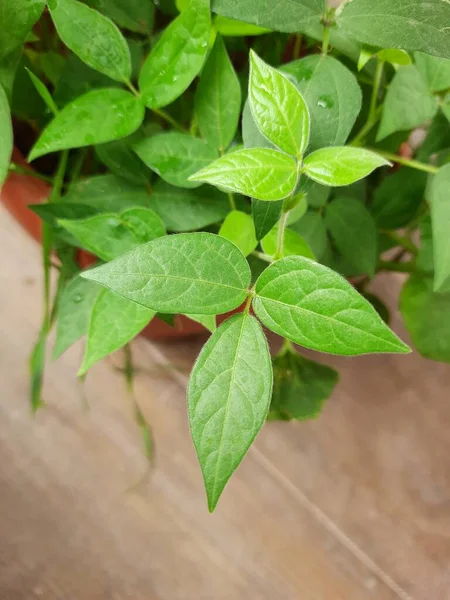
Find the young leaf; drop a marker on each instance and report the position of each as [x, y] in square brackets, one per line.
[187, 210]
[238, 227]
[265, 216]
[294, 244]
[354, 232]
[408, 103]
[198, 273]
[425, 314]
[406, 24]
[278, 108]
[92, 37]
[175, 156]
[114, 322]
[341, 165]
[208, 321]
[260, 173]
[218, 98]
[312, 305]
[109, 235]
[228, 397]
[97, 117]
[440, 218]
[311, 227]
[74, 312]
[177, 57]
[134, 15]
[6, 136]
[333, 97]
[17, 18]
[300, 387]
[435, 71]
[234, 28]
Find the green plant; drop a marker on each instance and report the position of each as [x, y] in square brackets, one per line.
[298, 216]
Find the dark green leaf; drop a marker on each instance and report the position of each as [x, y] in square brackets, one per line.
[435, 71]
[6, 136]
[135, 15]
[439, 196]
[17, 18]
[317, 195]
[312, 229]
[8, 68]
[238, 227]
[50, 212]
[43, 92]
[122, 161]
[265, 216]
[252, 136]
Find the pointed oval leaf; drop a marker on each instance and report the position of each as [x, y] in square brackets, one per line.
[435, 71]
[92, 37]
[341, 165]
[315, 307]
[109, 235]
[265, 216]
[114, 321]
[228, 397]
[198, 273]
[17, 18]
[234, 28]
[175, 156]
[97, 117]
[440, 218]
[6, 136]
[177, 57]
[218, 98]
[238, 227]
[261, 173]
[294, 244]
[278, 108]
[208, 321]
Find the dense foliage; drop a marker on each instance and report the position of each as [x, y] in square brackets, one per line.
[286, 214]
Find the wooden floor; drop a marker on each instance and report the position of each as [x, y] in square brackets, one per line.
[354, 506]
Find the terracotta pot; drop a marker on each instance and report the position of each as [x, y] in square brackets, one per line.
[20, 190]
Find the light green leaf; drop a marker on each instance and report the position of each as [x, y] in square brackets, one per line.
[406, 24]
[238, 227]
[109, 235]
[198, 273]
[135, 15]
[278, 108]
[234, 28]
[300, 387]
[294, 244]
[341, 165]
[6, 136]
[92, 37]
[440, 217]
[97, 117]
[177, 57]
[311, 228]
[315, 307]
[435, 71]
[393, 56]
[408, 103]
[263, 174]
[265, 216]
[228, 397]
[17, 18]
[354, 232]
[175, 156]
[74, 312]
[332, 95]
[114, 321]
[208, 321]
[188, 210]
[426, 316]
[122, 161]
[218, 99]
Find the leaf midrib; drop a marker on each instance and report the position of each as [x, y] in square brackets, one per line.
[176, 277]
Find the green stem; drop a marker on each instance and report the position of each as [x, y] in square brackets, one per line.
[15, 168]
[398, 267]
[262, 256]
[402, 241]
[297, 46]
[232, 200]
[375, 90]
[163, 115]
[280, 235]
[325, 40]
[132, 89]
[78, 166]
[407, 162]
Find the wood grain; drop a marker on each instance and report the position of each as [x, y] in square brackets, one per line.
[353, 506]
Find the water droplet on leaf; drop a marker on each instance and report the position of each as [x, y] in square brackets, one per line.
[78, 298]
[325, 102]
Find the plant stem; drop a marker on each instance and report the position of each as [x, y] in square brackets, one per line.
[232, 201]
[78, 166]
[375, 90]
[131, 87]
[407, 162]
[325, 40]
[402, 241]
[280, 235]
[15, 168]
[163, 115]
[262, 256]
[398, 267]
[297, 46]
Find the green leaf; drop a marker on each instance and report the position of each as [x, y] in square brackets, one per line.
[298, 210]
[332, 95]
[265, 216]
[43, 92]
[261, 173]
[317, 195]
[315, 307]
[435, 71]
[114, 322]
[397, 200]
[97, 117]
[37, 367]
[228, 397]
[406, 24]
[408, 103]
[6, 136]
[187, 210]
[74, 312]
[278, 108]
[208, 321]
[92, 37]
[135, 15]
[198, 273]
[218, 99]
[8, 67]
[341, 165]
[354, 232]
[175, 156]
[51, 211]
[311, 228]
[294, 244]
[440, 217]
[425, 314]
[238, 227]
[109, 235]
[122, 161]
[300, 387]
[234, 28]
[17, 18]
[391, 55]
[177, 57]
